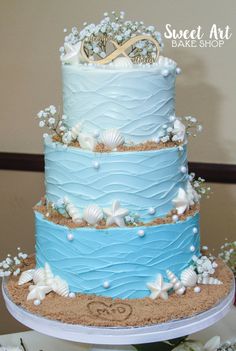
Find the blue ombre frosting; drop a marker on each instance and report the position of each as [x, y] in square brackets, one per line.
[139, 180]
[118, 256]
[137, 101]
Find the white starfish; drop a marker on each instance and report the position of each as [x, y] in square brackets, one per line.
[38, 292]
[159, 288]
[116, 214]
[72, 53]
[179, 130]
[181, 202]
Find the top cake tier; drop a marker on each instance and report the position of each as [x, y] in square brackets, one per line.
[138, 101]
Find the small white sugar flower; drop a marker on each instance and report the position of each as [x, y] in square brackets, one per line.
[52, 109]
[64, 117]
[41, 124]
[40, 114]
[51, 120]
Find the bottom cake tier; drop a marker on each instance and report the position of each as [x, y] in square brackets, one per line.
[116, 262]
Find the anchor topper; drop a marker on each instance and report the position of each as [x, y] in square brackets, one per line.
[123, 49]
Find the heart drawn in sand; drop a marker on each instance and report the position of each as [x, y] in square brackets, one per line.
[115, 311]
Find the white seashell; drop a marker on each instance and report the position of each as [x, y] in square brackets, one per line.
[75, 131]
[26, 277]
[93, 214]
[48, 274]
[188, 277]
[208, 280]
[112, 138]
[72, 54]
[72, 211]
[177, 284]
[60, 287]
[87, 142]
[122, 62]
[39, 276]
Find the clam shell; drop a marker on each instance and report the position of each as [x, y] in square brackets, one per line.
[60, 286]
[93, 214]
[26, 277]
[188, 277]
[39, 276]
[112, 138]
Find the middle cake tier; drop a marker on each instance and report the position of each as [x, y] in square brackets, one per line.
[144, 182]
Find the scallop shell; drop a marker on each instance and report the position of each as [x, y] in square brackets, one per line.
[60, 286]
[87, 142]
[178, 286]
[112, 138]
[93, 214]
[209, 281]
[188, 277]
[26, 277]
[39, 276]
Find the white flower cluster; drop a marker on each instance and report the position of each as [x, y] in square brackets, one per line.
[228, 255]
[12, 265]
[114, 27]
[192, 126]
[204, 266]
[200, 186]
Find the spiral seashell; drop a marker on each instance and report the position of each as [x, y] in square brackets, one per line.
[60, 286]
[188, 277]
[93, 214]
[73, 211]
[112, 138]
[208, 280]
[87, 142]
[39, 276]
[178, 286]
[75, 131]
[48, 274]
[26, 277]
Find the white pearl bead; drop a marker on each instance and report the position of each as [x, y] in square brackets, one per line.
[197, 289]
[151, 210]
[192, 248]
[106, 284]
[96, 164]
[165, 72]
[175, 218]
[183, 169]
[70, 236]
[172, 118]
[178, 70]
[141, 232]
[165, 126]
[37, 302]
[195, 230]
[71, 295]
[96, 134]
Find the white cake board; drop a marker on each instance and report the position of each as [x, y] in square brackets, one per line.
[120, 336]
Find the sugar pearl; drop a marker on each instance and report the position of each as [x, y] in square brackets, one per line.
[151, 211]
[106, 284]
[141, 232]
[70, 236]
[96, 134]
[195, 230]
[71, 295]
[165, 72]
[172, 118]
[175, 218]
[183, 169]
[197, 289]
[96, 164]
[37, 302]
[192, 248]
[178, 70]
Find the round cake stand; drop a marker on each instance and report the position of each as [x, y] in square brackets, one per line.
[120, 336]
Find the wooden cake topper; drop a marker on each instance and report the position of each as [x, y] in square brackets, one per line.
[121, 50]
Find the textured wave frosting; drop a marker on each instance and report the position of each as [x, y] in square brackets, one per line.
[118, 256]
[139, 180]
[138, 101]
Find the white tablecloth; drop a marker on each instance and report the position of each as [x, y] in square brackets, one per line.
[226, 329]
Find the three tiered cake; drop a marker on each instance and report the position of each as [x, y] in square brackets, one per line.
[120, 218]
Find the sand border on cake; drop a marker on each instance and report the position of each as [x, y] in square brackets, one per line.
[91, 310]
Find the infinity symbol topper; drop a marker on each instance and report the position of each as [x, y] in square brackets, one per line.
[120, 49]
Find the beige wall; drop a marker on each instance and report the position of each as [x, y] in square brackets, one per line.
[31, 31]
